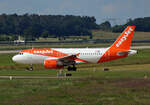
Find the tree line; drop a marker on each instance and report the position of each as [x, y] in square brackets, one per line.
[142, 24]
[32, 26]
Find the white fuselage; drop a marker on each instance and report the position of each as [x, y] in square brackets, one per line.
[92, 55]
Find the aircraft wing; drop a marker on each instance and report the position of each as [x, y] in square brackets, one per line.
[68, 58]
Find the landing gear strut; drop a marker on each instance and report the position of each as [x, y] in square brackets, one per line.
[60, 73]
[31, 68]
[70, 68]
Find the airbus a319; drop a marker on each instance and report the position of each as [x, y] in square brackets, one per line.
[58, 58]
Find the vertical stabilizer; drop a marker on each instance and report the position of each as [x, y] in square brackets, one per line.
[120, 48]
[125, 39]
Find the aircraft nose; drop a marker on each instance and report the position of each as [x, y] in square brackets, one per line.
[15, 58]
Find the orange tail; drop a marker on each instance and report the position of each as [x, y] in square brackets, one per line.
[125, 39]
[120, 47]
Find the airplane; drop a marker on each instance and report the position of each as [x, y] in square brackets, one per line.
[58, 58]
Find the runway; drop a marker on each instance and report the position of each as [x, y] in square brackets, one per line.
[37, 77]
[9, 51]
[140, 47]
[17, 51]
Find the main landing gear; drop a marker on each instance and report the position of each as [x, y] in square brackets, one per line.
[70, 68]
[73, 68]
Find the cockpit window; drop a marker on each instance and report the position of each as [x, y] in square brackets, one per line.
[20, 54]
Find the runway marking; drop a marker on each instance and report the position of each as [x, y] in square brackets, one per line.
[140, 47]
[9, 51]
[37, 77]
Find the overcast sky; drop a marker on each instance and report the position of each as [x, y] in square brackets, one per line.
[116, 10]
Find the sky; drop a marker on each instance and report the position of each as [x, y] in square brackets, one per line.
[116, 11]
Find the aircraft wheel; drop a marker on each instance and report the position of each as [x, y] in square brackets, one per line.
[31, 68]
[69, 68]
[74, 69]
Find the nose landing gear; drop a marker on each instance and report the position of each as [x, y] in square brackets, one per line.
[30, 68]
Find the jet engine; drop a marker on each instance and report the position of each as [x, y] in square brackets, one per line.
[53, 64]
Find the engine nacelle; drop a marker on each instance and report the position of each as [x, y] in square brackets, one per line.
[53, 64]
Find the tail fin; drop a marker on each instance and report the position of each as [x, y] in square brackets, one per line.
[125, 39]
[120, 47]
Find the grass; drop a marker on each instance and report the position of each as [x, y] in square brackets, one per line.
[109, 35]
[113, 88]
[127, 83]
[98, 34]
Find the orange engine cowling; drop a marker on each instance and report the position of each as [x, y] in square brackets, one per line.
[53, 64]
